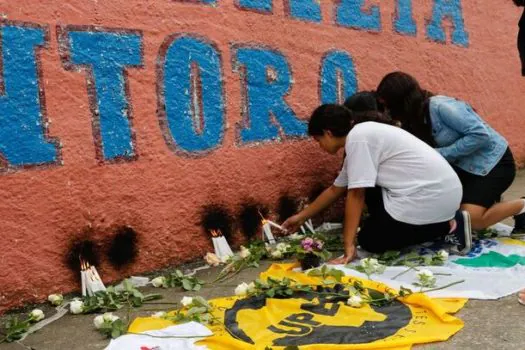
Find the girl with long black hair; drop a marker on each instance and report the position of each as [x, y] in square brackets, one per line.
[479, 154]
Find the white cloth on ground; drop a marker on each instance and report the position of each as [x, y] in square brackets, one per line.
[141, 341]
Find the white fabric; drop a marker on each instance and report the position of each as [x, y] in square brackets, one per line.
[138, 341]
[488, 283]
[419, 186]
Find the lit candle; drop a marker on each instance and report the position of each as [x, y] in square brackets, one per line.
[100, 284]
[83, 279]
[224, 247]
[275, 225]
[268, 232]
[215, 244]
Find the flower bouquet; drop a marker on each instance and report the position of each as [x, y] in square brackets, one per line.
[310, 251]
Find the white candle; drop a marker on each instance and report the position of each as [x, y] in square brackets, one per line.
[303, 230]
[275, 225]
[268, 233]
[216, 246]
[100, 284]
[83, 279]
[309, 226]
[224, 247]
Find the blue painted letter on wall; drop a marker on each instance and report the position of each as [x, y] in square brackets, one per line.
[338, 78]
[404, 22]
[448, 9]
[107, 54]
[191, 101]
[306, 10]
[257, 5]
[22, 139]
[266, 80]
[350, 14]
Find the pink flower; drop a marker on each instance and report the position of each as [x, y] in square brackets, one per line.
[307, 242]
[319, 244]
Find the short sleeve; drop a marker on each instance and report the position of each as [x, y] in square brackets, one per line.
[342, 178]
[361, 165]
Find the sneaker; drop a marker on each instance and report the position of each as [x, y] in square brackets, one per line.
[519, 226]
[461, 237]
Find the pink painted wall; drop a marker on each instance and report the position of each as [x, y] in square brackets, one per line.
[159, 187]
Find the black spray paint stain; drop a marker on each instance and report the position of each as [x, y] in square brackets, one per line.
[287, 207]
[85, 249]
[123, 248]
[315, 191]
[217, 217]
[250, 218]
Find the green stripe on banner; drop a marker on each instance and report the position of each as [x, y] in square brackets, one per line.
[492, 259]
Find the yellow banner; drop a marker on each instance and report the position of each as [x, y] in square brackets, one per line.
[312, 322]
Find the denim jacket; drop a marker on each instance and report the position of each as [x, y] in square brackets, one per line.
[463, 138]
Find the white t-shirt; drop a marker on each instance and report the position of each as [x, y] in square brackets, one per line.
[419, 186]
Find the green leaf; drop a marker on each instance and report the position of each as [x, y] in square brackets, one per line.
[337, 274]
[198, 300]
[186, 284]
[196, 310]
[315, 273]
[137, 294]
[115, 333]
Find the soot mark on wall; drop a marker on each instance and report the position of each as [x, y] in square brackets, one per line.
[250, 219]
[217, 217]
[82, 248]
[287, 207]
[123, 247]
[315, 191]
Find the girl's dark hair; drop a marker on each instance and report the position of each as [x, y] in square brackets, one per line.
[363, 101]
[339, 120]
[519, 2]
[407, 102]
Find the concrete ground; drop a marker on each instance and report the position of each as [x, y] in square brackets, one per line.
[488, 324]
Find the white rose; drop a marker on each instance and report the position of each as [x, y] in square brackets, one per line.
[109, 317]
[158, 281]
[296, 236]
[277, 254]
[242, 289]
[370, 262]
[424, 274]
[76, 306]
[159, 314]
[37, 315]
[355, 301]
[245, 252]
[212, 259]
[283, 247]
[442, 254]
[98, 321]
[55, 299]
[251, 287]
[186, 301]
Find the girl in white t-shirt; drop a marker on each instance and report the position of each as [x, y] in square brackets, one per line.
[411, 192]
